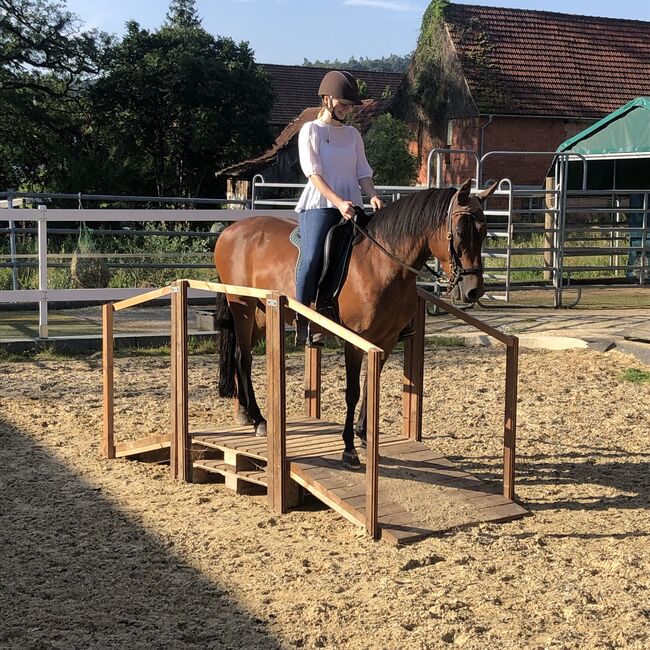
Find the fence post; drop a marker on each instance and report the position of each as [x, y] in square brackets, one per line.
[277, 469]
[414, 377]
[42, 271]
[372, 456]
[108, 435]
[181, 444]
[12, 243]
[510, 419]
[312, 381]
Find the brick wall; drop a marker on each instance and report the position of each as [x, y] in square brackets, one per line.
[501, 134]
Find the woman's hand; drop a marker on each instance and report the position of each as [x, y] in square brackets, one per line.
[346, 208]
[376, 203]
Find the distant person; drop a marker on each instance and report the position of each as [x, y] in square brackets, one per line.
[635, 220]
[333, 158]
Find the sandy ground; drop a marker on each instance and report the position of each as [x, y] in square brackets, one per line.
[102, 554]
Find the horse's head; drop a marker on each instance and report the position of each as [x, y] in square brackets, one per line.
[466, 230]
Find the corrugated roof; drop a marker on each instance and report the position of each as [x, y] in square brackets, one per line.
[362, 116]
[523, 62]
[296, 88]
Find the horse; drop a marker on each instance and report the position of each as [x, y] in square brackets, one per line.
[378, 297]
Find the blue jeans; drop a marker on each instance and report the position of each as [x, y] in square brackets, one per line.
[314, 226]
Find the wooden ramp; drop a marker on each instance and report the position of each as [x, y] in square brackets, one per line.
[420, 491]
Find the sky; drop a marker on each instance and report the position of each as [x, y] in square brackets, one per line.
[288, 31]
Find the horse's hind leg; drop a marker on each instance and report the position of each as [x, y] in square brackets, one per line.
[353, 359]
[243, 312]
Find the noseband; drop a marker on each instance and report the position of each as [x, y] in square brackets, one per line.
[457, 270]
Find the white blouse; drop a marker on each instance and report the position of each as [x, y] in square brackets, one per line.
[335, 153]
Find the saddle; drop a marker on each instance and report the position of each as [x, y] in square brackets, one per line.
[336, 259]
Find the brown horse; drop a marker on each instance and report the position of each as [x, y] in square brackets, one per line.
[378, 298]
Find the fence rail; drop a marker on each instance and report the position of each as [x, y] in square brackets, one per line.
[571, 245]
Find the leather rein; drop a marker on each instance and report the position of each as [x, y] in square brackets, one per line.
[457, 270]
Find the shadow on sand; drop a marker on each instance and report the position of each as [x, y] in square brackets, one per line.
[75, 572]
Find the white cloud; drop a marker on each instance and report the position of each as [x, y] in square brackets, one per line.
[391, 5]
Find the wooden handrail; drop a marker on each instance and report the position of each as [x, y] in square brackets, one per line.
[143, 297]
[470, 320]
[231, 289]
[332, 327]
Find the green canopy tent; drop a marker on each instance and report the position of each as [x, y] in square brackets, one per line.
[617, 150]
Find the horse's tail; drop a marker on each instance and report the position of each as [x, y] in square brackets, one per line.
[225, 324]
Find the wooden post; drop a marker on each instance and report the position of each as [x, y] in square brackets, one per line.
[510, 419]
[276, 426]
[414, 377]
[108, 435]
[181, 444]
[372, 457]
[312, 381]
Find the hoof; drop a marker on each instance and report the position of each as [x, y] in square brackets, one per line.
[260, 430]
[350, 460]
[241, 417]
[363, 440]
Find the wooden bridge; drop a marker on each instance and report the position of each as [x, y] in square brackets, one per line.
[304, 454]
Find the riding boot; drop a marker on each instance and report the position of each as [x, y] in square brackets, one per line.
[302, 325]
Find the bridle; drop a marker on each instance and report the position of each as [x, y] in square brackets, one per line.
[457, 270]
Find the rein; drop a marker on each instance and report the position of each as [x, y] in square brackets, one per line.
[457, 270]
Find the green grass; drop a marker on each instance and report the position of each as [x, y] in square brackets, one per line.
[536, 240]
[635, 376]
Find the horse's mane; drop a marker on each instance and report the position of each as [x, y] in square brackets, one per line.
[409, 217]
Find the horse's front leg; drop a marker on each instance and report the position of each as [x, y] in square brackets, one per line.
[353, 359]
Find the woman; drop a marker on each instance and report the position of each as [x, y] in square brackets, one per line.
[333, 158]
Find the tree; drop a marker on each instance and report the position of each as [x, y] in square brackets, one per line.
[178, 104]
[391, 63]
[45, 63]
[388, 154]
[182, 13]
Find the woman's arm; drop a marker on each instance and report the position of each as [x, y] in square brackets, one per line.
[369, 188]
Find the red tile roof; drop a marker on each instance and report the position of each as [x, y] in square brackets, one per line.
[296, 88]
[362, 116]
[541, 63]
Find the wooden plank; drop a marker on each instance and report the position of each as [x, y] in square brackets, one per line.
[182, 441]
[142, 445]
[420, 456]
[276, 403]
[230, 289]
[510, 419]
[108, 427]
[372, 454]
[414, 377]
[326, 498]
[331, 326]
[143, 297]
[312, 381]
[464, 316]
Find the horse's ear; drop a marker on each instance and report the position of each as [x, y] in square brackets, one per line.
[481, 196]
[464, 192]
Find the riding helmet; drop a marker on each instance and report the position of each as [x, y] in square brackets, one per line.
[341, 85]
